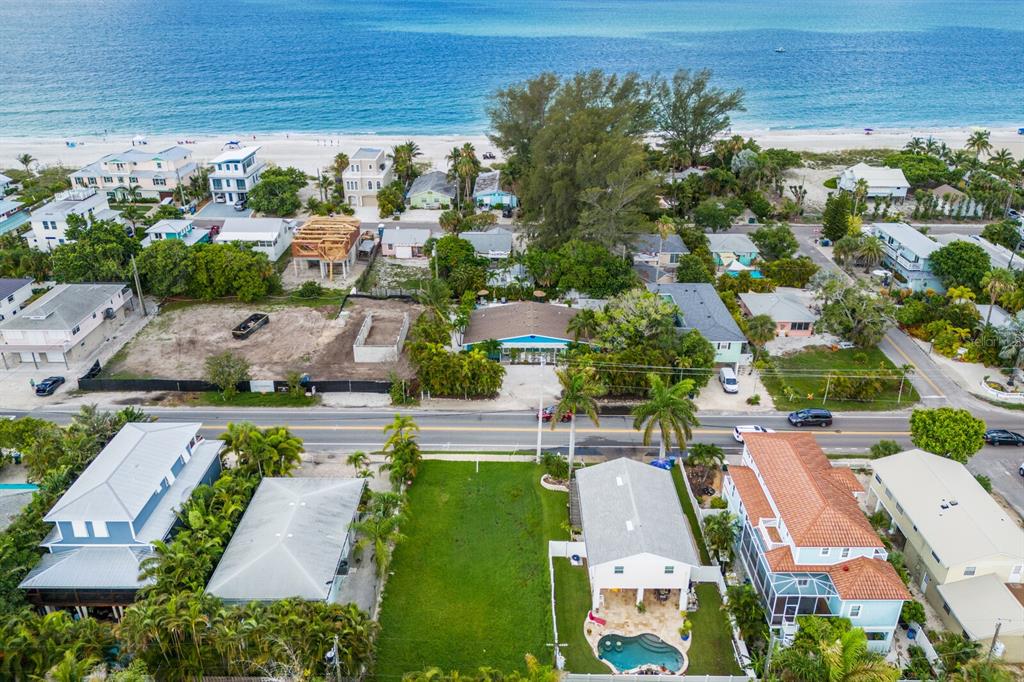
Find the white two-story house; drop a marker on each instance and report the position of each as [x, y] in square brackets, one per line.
[13, 294]
[804, 542]
[49, 222]
[156, 176]
[105, 524]
[65, 324]
[234, 173]
[369, 170]
[906, 253]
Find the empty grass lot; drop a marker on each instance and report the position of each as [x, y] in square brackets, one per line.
[470, 584]
[817, 362]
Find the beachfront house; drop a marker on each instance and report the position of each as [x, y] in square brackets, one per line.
[8, 207]
[527, 331]
[403, 243]
[636, 538]
[729, 247]
[13, 294]
[701, 309]
[786, 306]
[183, 229]
[233, 173]
[804, 541]
[882, 182]
[906, 255]
[493, 244]
[66, 324]
[488, 192]
[369, 170]
[294, 540]
[432, 190]
[271, 236]
[5, 184]
[151, 175]
[105, 524]
[49, 222]
[963, 551]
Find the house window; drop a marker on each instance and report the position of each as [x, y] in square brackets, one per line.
[970, 570]
[800, 326]
[888, 493]
[133, 180]
[108, 179]
[75, 330]
[670, 569]
[240, 184]
[92, 181]
[945, 607]
[825, 551]
[899, 507]
[369, 184]
[855, 611]
[378, 184]
[99, 529]
[803, 582]
[170, 479]
[878, 478]
[159, 182]
[620, 570]
[79, 530]
[845, 553]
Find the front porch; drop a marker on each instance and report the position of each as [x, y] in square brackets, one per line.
[633, 612]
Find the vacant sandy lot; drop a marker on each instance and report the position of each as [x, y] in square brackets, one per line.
[309, 340]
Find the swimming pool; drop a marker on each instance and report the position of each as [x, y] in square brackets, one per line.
[630, 653]
[18, 486]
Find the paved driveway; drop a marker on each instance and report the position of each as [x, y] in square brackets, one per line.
[215, 210]
[1000, 465]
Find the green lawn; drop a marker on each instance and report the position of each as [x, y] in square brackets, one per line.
[214, 399]
[810, 390]
[691, 515]
[572, 602]
[711, 652]
[469, 586]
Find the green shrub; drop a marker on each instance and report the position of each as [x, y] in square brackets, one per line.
[984, 481]
[884, 448]
[912, 612]
[718, 503]
[754, 399]
[311, 290]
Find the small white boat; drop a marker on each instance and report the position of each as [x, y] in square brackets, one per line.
[780, 49]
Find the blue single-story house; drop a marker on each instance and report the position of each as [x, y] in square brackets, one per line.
[488, 192]
[528, 330]
[181, 229]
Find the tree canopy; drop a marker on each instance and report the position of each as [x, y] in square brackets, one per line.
[277, 192]
[960, 263]
[949, 432]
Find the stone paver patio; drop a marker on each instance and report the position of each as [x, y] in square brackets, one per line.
[658, 618]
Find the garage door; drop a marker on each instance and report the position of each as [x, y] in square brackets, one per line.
[55, 357]
[403, 252]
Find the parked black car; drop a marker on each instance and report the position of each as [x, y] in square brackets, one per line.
[48, 385]
[1003, 437]
[811, 417]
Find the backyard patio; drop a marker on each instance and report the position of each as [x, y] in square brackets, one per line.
[660, 617]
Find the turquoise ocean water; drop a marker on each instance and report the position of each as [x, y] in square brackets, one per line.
[69, 67]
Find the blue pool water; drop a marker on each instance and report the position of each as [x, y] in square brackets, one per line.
[18, 486]
[427, 66]
[629, 653]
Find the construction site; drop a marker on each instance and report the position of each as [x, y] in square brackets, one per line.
[330, 248]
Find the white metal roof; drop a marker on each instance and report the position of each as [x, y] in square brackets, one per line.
[290, 540]
[63, 307]
[251, 229]
[84, 568]
[235, 155]
[730, 242]
[126, 473]
[921, 245]
[979, 603]
[782, 305]
[630, 508]
[878, 176]
[973, 529]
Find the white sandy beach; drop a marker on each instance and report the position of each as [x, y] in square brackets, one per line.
[310, 151]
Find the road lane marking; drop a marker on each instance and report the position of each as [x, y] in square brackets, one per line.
[916, 368]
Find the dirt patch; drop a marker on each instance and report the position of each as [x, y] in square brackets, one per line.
[384, 329]
[301, 339]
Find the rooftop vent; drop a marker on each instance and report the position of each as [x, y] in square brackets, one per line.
[953, 503]
[629, 525]
[618, 480]
[944, 505]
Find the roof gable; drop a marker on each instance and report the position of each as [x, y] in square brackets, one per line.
[702, 309]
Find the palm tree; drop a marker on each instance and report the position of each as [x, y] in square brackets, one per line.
[71, 668]
[401, 451]
[871, 252]
[997, 283]
[720, 533]
[324, 184]
[980, 670]
[669, 409]
[583, 324]
[26, 160]
[467, 168]
[979, 142]
[358, 459]
[436, 296]
[915, 146]
[381, 533]
[580, 390]
[847, 659]
[1011, 340]
[132, 193]
[708, 456]
[860, 192]
[846, 249]
[760, 330]
[133, 214]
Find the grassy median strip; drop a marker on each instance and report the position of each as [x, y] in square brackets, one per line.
[469, 585]
[572, 602]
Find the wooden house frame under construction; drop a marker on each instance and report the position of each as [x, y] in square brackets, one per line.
[329, 241]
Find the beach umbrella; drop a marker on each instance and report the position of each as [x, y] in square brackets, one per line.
[482, 292]
[539, 294]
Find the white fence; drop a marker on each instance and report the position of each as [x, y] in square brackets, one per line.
[586, 677]
[1002, 396]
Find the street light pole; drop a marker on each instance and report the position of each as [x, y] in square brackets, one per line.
[540, 411]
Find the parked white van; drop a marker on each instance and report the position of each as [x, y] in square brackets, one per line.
[727, 377]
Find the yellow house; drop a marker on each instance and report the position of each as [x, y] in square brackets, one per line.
[962, 550]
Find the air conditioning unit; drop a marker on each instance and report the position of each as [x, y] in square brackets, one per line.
[109, 314]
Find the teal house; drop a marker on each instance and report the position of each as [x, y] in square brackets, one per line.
[727, 248]
[701, 308]
[488, 192]
[432, 190]
[184, 230]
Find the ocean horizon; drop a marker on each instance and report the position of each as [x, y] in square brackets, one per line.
[428, 66]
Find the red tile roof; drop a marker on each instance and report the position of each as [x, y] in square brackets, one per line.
[861, 578]
[814, 500]
[751, 494]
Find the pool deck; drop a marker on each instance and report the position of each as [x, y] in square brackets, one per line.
[659, 618]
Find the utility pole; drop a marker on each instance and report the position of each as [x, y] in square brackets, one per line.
[995, 638]
[138, 287]
[540, 411]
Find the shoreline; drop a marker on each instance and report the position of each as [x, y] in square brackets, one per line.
[310, 151]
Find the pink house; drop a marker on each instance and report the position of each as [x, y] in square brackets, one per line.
[785, 306]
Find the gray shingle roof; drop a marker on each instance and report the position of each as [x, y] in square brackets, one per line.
[366, 153]
[701, 309]
[436, 181]
[63, 307]
[652, 243]
[782, 305]
[405, 236]
[89, 568]
[123, 477]
[486, 183]
[290, 540]
[631, 508]
[498, 239]
[729, 242]
[9, 285]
